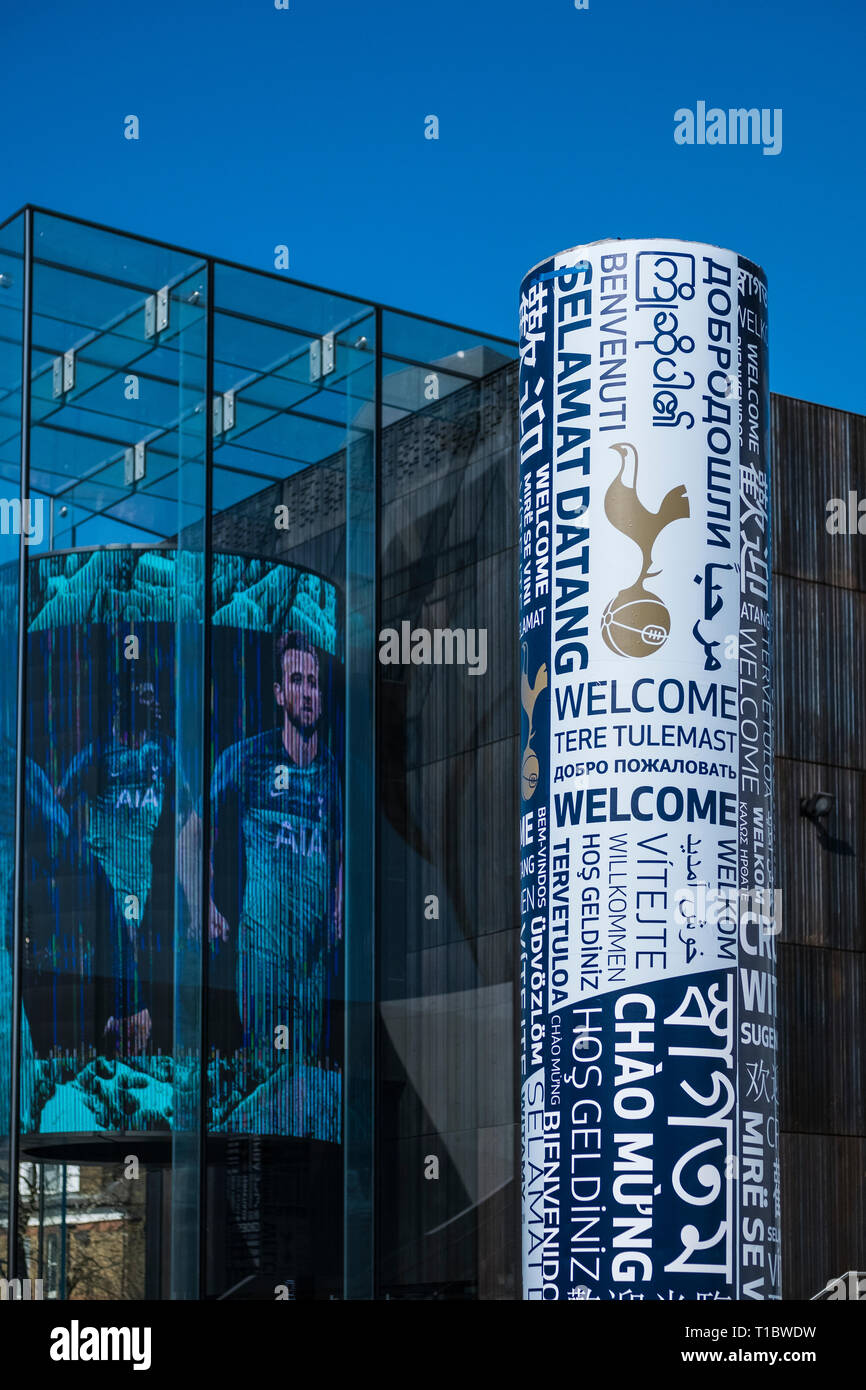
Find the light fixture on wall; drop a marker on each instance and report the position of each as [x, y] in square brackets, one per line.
[816, 808]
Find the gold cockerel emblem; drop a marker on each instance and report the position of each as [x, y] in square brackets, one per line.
[636, 622]
[528, 697]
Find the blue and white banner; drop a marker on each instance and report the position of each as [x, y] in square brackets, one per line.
[648, 919]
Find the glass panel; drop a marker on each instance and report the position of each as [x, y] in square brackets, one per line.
[407, 388]
[460, 349]
[447, 1190]
[85, 1229]
[362, 767]
[289, 425]
[111, 1083]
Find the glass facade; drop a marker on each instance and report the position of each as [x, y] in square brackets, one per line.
[448, 889]
[257, 1012]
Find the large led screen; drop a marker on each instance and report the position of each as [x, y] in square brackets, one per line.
[115, 845]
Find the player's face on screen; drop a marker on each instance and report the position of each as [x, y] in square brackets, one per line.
[298, 693]
[137, 712]
[147, 707]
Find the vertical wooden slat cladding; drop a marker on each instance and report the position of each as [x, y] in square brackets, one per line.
[817, 454]
[823, 884]
[823, 1003]
[820, 632]
[823, 1210]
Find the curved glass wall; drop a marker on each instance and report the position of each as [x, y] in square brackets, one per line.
[235, 1043]
[109, 1016]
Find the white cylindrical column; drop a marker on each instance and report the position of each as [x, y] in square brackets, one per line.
[648, 918]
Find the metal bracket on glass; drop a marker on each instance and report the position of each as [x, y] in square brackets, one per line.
[223, 412]
[162, 309]
[63, 377]
[156, 312]
[134, 464]
[323, 357]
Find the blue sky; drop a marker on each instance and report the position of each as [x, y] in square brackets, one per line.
[306, 127]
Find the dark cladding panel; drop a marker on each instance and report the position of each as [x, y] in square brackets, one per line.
[447, 709]
[822, 1003]
[822, 871]
[448, 784]
[818, 454]
[819, 641]
[447, 496]
[823, 1210]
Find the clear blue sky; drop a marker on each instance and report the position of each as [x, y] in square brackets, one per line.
[306, 126]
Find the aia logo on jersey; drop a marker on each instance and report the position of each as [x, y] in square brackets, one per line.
[138, 797]
[300, 837]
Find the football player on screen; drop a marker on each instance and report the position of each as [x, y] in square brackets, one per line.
[277, 889]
